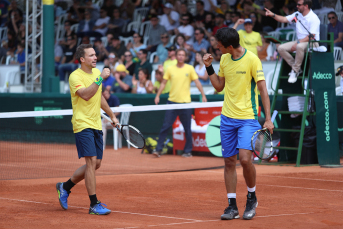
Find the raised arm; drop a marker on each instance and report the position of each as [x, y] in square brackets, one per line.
[217, 82]
[278, 18]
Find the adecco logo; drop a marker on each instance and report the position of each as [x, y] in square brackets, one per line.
[322, 76]
[327, 117]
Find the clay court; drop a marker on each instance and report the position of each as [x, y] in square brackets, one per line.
[288, 196]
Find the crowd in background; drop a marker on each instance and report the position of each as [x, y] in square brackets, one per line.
[173, 24]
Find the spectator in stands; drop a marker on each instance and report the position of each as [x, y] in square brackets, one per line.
[4, 12]
[15, 22]
[68, 62]
[85, 40]
[219, 20]
[312, 22]
[112, 100]
[340, 74]
[179, 93]
[74, 15]
[158, 80]
[249, 39]
[86, 25]
[123, 82]
[143, 62]
[171, 59]
[68, 32]
[200, 68]
[136, 45]
[14, 7]
[116, 24]
[127, 8]
[20, 57]
[112, 62]
[213, 49]
[21, 34]
[101, 23]
[269, 24]
[180, 43]
[184, 10]
[100, 50]
[186, 29]
[12, 41]
[143, 85]
[266, 51]
[116, 46]
[162, 52]
[110, 8]
[3, 51]
[200, 44]
[207, 26]
[156, 30]
[58, 51]
[170, 18]
[335, 27]
[227, 20]
[92, 8]
[108, 81]
[128, 62]
[234, 18]
[256, 25]
[201, 12]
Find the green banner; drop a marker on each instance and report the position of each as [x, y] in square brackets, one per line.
[323, 83]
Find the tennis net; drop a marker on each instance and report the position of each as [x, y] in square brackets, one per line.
[41, 144]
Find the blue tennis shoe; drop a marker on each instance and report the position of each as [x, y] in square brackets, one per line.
[62, 195]
[99, 209]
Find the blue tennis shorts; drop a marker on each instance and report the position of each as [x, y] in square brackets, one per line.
[236, 134]
[89, 143]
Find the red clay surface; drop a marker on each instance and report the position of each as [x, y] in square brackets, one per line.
[289, 197]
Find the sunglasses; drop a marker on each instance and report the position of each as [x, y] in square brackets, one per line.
[299, 4]
[196, 33]
[331, 18]
[135, 36]
[127, 55]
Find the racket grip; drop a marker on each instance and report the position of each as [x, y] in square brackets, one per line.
[274, 115]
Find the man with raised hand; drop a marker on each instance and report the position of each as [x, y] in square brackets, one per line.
[86, 97]
[240, 75]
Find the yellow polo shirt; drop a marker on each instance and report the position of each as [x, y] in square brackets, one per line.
[180, 82]
[241, 77]
[250, 41]
[86, 114]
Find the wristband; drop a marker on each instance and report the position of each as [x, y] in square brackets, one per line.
[210, 70]
[98, 80]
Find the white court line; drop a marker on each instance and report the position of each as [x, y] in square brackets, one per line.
[301, 178]
[132, 213]
[281, 186]
[169, 217]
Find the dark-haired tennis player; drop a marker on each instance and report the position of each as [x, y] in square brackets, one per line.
[86, 97]
[240, 75]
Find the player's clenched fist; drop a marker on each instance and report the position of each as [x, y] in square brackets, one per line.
[105, 73]
[207, 59]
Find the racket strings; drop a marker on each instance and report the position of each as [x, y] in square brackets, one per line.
[133, 136]
[263, 144]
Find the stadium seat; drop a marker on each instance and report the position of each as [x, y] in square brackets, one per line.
[152, 56]
[337, 53]
[140, 13]
[126, 39]
[74, 27]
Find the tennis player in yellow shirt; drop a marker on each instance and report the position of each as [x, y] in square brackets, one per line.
[240, 75]
[86, 97]
[180, 76]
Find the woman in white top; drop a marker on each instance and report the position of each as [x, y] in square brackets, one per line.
[143, 85]
[200, 68]
[136, 45]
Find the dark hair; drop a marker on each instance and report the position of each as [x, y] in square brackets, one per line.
[332, 12]
[238, 14]
[200, 30]
[144, 51]
[141, 38]
[179, 35]
[308, 3]
[202, 54]
[80, 51]
[145, 71]
[158, 72]
[227, 36]
[201, 2]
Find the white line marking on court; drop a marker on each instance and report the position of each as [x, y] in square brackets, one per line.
[171, 224]
[301, 178]
[281, 186]
[132, 213]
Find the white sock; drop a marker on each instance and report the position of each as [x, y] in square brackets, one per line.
[253, 189]
[231, 195]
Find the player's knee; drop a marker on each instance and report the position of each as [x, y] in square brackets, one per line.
[98, 164]
[230, 163]
[245, 161]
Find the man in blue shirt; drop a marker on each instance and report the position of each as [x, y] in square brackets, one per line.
[200, 44]
[123, 82]
[335, 27]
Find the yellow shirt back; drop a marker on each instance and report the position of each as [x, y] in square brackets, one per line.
[180, 81]
[86, 114]
[250, 40]
[241, 77]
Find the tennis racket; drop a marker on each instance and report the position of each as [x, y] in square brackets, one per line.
[262, 142]
[131, 134]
